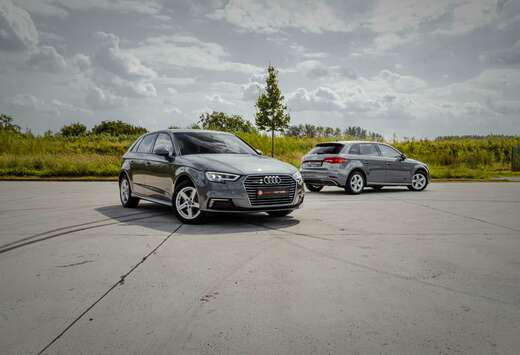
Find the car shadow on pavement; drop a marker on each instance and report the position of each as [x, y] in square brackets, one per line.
[161, 218]
[368, 190]
[231, 223]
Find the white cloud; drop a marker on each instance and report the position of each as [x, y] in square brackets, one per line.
[508, 56]
[251, 91]
[270, 16]
[127, 88]
[64, 7]
[316, 70]
[401, 83]
[485, 98]
[122, 63]
[409, 21]
[217, 100]
[17, 29]
[49, 107]
[313, 69]
[115, 73]
[82, 61]
[188, 51]
[173, 111]
[98, 98]
[320, 99]
[386, 95]
[46, 58]
[253, 88]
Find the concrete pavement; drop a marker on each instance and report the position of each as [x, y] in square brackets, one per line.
[390, 272]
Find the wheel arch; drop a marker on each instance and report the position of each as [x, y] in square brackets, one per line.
[422, 169]
[184, 176]
[123, 173]
[358, 169]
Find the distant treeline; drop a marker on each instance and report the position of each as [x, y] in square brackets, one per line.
[219, 121]
[309, 130]
[498, 136]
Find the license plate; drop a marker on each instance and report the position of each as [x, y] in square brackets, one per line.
[271, 192]
[312, 164]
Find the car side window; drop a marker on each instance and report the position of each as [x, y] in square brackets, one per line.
[354, 149]
[133, 149]
[388, 152]
[146, 144]
[368, 149]
[163, 141]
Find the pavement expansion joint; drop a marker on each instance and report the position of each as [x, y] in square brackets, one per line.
[118, 283]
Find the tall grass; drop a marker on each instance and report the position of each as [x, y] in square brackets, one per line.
[54, 156]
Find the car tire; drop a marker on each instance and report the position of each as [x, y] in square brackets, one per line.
[419, 181]
[125, 193]
[279, 213]
[185, 204]
[355, 183]
[313, 188]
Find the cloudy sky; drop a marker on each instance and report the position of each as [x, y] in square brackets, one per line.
[410, 67]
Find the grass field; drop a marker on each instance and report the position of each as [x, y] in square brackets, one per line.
[23, 156]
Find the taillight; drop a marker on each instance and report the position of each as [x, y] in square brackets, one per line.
[335, 160]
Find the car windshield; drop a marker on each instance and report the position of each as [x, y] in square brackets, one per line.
[327, 148]
[211, 143]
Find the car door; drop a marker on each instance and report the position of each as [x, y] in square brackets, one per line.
[373, 162]
[141, 165]
[396, 169]
[161, 169]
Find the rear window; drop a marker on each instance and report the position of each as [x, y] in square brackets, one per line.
[327, 149]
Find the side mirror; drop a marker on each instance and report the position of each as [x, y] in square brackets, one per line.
[402, 157]
[259, 152]
[163, 151]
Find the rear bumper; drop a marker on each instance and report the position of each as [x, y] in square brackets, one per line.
[325, 177]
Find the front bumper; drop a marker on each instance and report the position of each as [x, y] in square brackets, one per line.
[233, 197]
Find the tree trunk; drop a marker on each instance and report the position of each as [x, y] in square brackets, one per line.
[272, 143]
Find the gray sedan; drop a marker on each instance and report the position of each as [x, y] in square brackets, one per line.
[197, 172]
[354, 165]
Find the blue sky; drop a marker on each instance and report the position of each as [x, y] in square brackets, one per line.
[413, 68]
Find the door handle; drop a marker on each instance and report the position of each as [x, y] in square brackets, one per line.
[388, 163]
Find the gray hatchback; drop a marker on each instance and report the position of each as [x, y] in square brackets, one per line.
[353, 165]
[197, 172]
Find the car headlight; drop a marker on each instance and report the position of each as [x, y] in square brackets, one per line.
[298, 177]
[214, 176]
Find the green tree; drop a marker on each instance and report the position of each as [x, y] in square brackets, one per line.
[222, 122]
[118, 128]
[73, 130]
[271, 112]
[6, 123]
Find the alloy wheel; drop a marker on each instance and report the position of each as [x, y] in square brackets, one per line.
[356, 183]
[187, 203]
[418, 181]
[124, 190]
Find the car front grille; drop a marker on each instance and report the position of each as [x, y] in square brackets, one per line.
[253, 182]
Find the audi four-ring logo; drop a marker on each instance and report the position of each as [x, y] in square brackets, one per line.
[272, 180]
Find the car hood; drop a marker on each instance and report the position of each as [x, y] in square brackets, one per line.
[413, 161]
[242, 164]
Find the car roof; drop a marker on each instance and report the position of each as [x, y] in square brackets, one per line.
[349, 142]
[188, 130]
